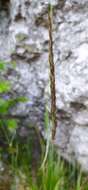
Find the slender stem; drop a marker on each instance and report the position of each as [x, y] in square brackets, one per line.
[5, 132]
[52, 74]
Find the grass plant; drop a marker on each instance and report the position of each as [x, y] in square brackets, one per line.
[55, 175]
[49, 171]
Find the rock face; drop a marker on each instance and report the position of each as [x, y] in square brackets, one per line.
[24, 38]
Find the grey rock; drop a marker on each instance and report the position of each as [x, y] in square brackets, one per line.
[24, 39]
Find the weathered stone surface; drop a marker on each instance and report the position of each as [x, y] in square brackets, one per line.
[24, 38]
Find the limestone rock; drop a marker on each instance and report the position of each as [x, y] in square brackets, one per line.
[24, 38]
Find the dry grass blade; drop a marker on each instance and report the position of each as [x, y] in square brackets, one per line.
[52, 74]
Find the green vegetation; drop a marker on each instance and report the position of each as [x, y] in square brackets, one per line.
[47, 171]
[8, 124]
[55, 175]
